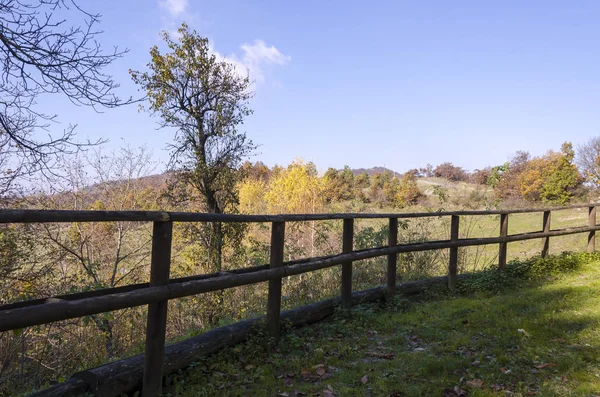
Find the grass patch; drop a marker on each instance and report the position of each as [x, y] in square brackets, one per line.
[532, 330]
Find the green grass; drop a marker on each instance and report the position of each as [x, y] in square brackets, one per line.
[537, 336]
[480, 257]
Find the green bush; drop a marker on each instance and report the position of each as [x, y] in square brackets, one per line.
[493, 280]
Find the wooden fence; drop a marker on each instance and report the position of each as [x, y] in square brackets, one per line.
[162, 288]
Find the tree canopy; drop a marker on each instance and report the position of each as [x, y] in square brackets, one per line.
[205, 99]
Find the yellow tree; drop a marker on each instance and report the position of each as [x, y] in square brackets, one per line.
[252, 196]
[408, 192]
[297, 189]
[531, 180]
[551, 178]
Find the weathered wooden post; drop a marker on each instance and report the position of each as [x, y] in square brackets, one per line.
[503, 246]
[591, 247]
[392, 259]
[347, 247]
[156, 328]
[274, 297]
[546, 240]
[453, 265]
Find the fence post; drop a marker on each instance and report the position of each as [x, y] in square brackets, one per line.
[392, 259]
[503, 246]
[274, 297]
[591, 248]
[546, 240]
[453, 265]
[347, 246]
[156, 325]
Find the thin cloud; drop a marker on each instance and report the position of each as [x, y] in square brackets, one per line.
[174, 7]
[255, 59]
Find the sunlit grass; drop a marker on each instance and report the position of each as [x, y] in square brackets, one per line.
[539, 338]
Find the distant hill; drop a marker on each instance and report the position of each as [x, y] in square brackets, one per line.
[372, 170]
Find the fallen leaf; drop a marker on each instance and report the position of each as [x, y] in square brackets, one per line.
[305, 374]
[476, 363]
[387, 356]
[475, 383]
[545, 365]
[321, 371]
[522, 331]
[364, 379]
[459, 392]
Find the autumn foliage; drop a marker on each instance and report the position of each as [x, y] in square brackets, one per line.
[551, 178]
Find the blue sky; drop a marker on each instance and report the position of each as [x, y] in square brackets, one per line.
[392, 83]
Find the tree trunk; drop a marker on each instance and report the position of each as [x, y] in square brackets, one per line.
[215, 253]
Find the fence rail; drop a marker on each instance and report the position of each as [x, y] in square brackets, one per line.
[161, 288]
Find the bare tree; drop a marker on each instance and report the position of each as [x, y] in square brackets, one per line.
[588, 160]
[102, 255]
[40, 53]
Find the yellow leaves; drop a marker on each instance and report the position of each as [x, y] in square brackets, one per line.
[551, 178]
[252, 196]
[530, 181]
[408, 192]
[98, 206]
[296, 190]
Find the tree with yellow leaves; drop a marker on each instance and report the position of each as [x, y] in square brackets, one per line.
[551, 178]
[295, 190]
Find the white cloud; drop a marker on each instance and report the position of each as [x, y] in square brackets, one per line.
[259, 53]
[174, 7]
[255, 59]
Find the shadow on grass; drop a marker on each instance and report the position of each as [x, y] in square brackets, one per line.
[542, 338]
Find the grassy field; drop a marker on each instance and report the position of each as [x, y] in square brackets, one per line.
[540, 338]
[481, 257]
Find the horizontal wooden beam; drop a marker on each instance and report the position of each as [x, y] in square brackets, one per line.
[56, 310]
[42, 216]
[128, 288]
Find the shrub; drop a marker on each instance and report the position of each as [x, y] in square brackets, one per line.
[493, 280]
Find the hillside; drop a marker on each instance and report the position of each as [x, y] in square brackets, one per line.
[373, 170]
